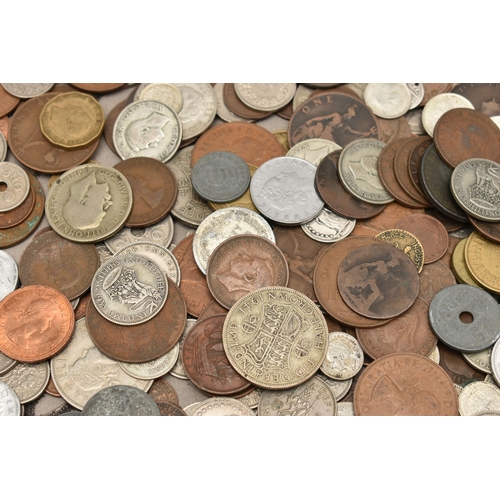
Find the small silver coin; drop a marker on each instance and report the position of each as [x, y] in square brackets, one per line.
[27, 90]
[27, 380]
[328, 227]
[438, 106]
[8, 274]
[166, 93]
[345, 410]
[344, 357]
[6, 363]
[222, 110]
[3, 147]
[14, 185]
[339, 388]
[417, 94]
[448, 307]
[9, 402]
[220, 177]
[495, 362]
[222, 407]
[152, 369]
[388, 100]
[313, 150]
[265, 96]
[121, 400]
[478, 397]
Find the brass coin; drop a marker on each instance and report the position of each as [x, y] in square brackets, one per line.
[458, 265]
[482, 258]
[406, 242]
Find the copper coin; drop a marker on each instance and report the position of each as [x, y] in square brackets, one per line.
[378, 281]
[485, 97]
[234, 104]
[193, 284]
[410, 332]
[211, 310]
[446, 258]
[81, 308]
[36, 322]
[334, 194]
[162, 392]
[461, 134]
[4, 126]
[490, 230]
[171, 410]
[30, 146]
[99, 88]
[333, 116]
[206, 362]
[242, 264]
[51, 260]
[390, 130]
[146, 341]
[405, 384]
[433, 278]
[450, 225]
[253, 143]
[326, 284]
[16, 234]
[109, 124]
[154, 190]
[17, 215]
[433, 89]
[286, 112]
[7, 102]
[414, 164]
[454, 364]
[52, 389]
[430, 232]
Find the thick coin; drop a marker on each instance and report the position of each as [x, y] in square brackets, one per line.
[481, 258]
[313, 150]
[328, 227]
[9, 402]
[406, 242]
[265, 96]
[479, 397]
[438, 106]
[344, 358]
[165, 93]
[14, 217]
[388, 100]
[27, 90]
[14, 186]
[238, 107]
[152, 369]
[8, 275]
[27, 380]
[222, 407]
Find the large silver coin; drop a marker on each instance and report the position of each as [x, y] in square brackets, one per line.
[129, 289]
[27, 380]
[6, 363]
[328, 227]
[9, 402]
[27, 90]
[478, 397]
[265, 96]
[283, 190]
[121, 400]
[166, 93]
[222, 407]
[8, 274]
[222, 110]
[14, 185]
[438, 106]
[344, 357]
[147, 128]
[388, 100]
[178, 369]
[313, 150]
[450, 304]
[152, 369]
[3, 147]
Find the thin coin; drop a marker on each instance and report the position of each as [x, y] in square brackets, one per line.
[165, 93]
[265, 96]
[313, 150]
[27, 380]
[481, 257]
[27, 90]
[238, 107]
[14, 186]
[388, 100]
[8, 275]
[344, 357]
[14, 217]
[438, 106]
[406, 242]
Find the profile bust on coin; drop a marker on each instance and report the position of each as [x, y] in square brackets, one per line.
[145, 132]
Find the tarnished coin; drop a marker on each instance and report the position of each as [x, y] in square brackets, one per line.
[275, 337]
[222, 407]
[8, 275]
[344, 357]
[14, 186]
[152, 369]
[479, 360]
[328, 227]
[6, 363]
[447, 318]
[388, 100]
[9, 402]
[479, 397]
[313, 150]
[27, 90]
[171, 410]
[14, 217]
[27, 380]
[3, 147]
[312, 398]
[406, 242]
[438, 106]
[481, 258]
[166, 93]
[222, 110]
[265, 96]
[178, 369]
[162, 392]
[433, 278]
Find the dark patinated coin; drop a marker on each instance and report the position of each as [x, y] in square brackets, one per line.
[485, 97]
[171, 410]
[415, 161]
[449, 309]
[490, 230]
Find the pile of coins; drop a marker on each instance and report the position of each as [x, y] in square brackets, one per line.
[249, 249]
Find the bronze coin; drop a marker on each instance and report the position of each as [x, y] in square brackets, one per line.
[286, 112]
[235, 104]
[326, 284]
[253, 143]
[461, 134]
[414, 164]
[30, 146]
[14, 217]
[109, 124]
[36, 322]
[171, 410]
[342, 89]
[433, 278]
[206, 362]
[16, 234]
[485, 97]
[451, 225]
[433, 89]
[81, 308]
[430, 232]
[51, 260]
[334, 194]
[99, 88]
[154, 190]
[211, 310]
[162, 392]
[332, 116]
[452, 243]
[410, 332]
[405, 384]
[378, 281]
[454, 364]
[490, 230]
[193, 284]
[4, 126]
[390, 130]
[146, 341]
[242, 264]
[52, 389]
[8, 102]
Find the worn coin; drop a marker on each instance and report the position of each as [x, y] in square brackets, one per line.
[238, 107]
[438, 106]
[162, 392]
[406, 242]
[313, 150]
[7, 102]
[27, 380]
[417, 94]
[14, 186]
[339, 388]
[178, 369]
[171, 410]
[222, 407]
[9, 402]
[344, 357]
[480, 360]
[484, 96]
[6, 363]
[328, 227]
[8, 274]
[27, 90]
[433, 278]
[388, 100]
[222, 110]
[265, 96]
[458, 264]
[479, 397]
[165, 93]
[152, 369]
[14, 217]
[481, 258]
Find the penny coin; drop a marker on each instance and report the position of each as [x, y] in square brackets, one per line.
[253, 143]
[405, 384]
[222, 407]
[165, 93]
[459, 266]
[6, 363]
[30, 146]
[27, 90]
[27, 380]
[479, 397]
[223, 111]
[53, 261]
[378, 281]
[14, 217]
[490, 230]
[461, 372]
[98, 88]
[81, 308]
[154, 190]
[390, 130]
[414, 164]
[151, 370]
[462, 134]
[9, 402]
[7, 102]
[109, 124]
[162, 392]
[388, 100]
[313, 150]
[479, 360]
[446, 316]
[211, 310]
[171, 410]
[450, 224]
[286, 112]
[265, 96]
[242, 264]
[485, 97]
[481, 257]
[275, 337]
[406, 242]
[438, 106]
[14, 186]
[433, 89]
[433, 278]
[8, 275]
[36, 322]
[52, 389]
[344, 357]
[238, 107]
[328, 227]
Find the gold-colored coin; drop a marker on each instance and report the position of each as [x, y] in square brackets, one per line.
[482, 257]
[406, 242]
[458, 265]
[282, 136]
[72, 120]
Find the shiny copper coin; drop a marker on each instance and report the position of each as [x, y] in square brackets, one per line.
[378, 281]
[454, 364]
[433, 278]
[81, 308]
[171, 410]
[162, 392]
[99, 88]
[211, 310]
[433, 89]
[32, 149]
[326, 284]
[450, 225]
[51, 260]
[109, 124]
[146, 341]
[154, 190]
[206, 362]
[414, 164]
[7, 102]
[17, 215]
[461, 134]
[334, 194]
[485, 97]
[52, 389]
[253, 143]
[242, 264]
[36, 322]
[235, 104]
[490, 230]
[405, 384]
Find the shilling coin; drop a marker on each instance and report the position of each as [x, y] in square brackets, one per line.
[15, 186]
[9, 402]
[27, 90]
[446, 316]
[478, 397]
[313, 150]
[152, 369]
[3, 147]
[344, 357]
[222, 407]
[407, 242]
[8, 274]
[438, 106]
[222, 110]
[283, 190]
[480, 360]
[328, 227]
[417, 94]
[388, 100]
[27, 380]
[481, 259]
[265, 96]
[165, 93]
[147, 128]
[6, 363]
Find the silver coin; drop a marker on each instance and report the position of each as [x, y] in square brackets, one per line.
[221, 225]
[14, 184]
[489, 379]
[313, 150]
[328, 227]
[414, 120]
[252, 399]
[283, 190]
[152, 369]
[190, 409]
[178, 369]
[166, 93]
[480, 360]
[220, 177]
[6, 363]
[496, 120]
[438, 106]
[301, 95]
[495, 362]
[104, 253]
[222, 110]
[8, 274]
[223, 407]
[345, 410]
[339, 388]
[121, 400]
[388, 100]
[9, 402]
[417, 94]
[444, 316]
[161, 233]
[344, 357]
[3, 147]
[73, 413]
[198, 110]
[478, 397]
[27, 90]
[160, 255]
[475, 185]
[27, 380]
[147, 128]
[459, 389]
[434, 355]
[358, 171]
[265, 96]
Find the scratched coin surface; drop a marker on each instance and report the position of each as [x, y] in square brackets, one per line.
[27, 380]
[344, 358]
[9, 402]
